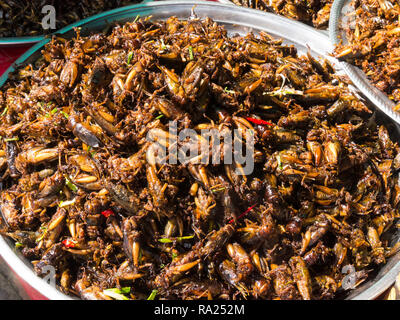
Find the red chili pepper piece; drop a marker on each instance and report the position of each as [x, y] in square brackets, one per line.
[244, 213]
[68, 243]
[108, 213]
[259, 121]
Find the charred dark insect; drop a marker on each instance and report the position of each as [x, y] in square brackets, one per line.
[83, 191]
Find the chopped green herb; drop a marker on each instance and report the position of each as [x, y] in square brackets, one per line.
[163, 46]
[229, 91]
[211, 226]
[140, 255]
[11, 139]
[191, 53]
[18, 245]
[126, 289]
[278, 158]
[130, 56]
[65, 114]
[137, 18]
[4, 112]
[89, 150]
[63, 204]
[70, 185]
[44, 229]
[168, 240]
[152, 295]
[173, 255]
[55, 110]
[185, 238]
[165, 240]
[116, 293]
[160, 116]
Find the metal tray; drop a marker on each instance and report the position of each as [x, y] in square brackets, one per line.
[236, 20]
[29, 40]
[337, 19]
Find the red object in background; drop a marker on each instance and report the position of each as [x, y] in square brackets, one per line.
[244, 213]
[9, 55]
[31, 293]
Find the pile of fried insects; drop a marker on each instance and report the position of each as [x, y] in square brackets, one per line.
[81, 192]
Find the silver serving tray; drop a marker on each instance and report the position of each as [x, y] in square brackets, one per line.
[338, 19]
[236, 20]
